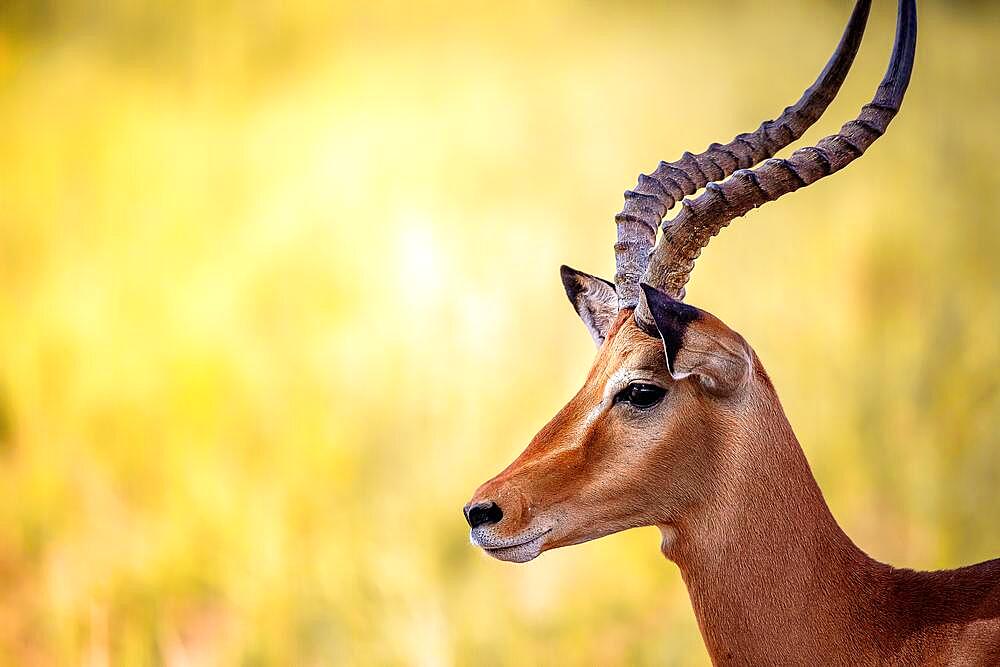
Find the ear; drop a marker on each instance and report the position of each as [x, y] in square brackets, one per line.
[698, 343]
[594, 298]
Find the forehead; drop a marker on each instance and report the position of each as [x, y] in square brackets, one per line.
[626, 347]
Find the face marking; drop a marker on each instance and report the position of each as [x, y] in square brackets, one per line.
[618, 381]
[626, 376]
[585, 424]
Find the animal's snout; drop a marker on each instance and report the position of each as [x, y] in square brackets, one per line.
[483, 513]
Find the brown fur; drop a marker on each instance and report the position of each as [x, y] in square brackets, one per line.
[772, 577]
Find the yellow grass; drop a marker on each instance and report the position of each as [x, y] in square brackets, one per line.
[279, 289]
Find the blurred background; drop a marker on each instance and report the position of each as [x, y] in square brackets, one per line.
[279, 288]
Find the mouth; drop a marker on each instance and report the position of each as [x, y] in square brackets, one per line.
[517, 550]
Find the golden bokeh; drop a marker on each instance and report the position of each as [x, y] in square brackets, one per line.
[279, 289]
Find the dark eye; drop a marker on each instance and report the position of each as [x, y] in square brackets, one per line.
[641, 395]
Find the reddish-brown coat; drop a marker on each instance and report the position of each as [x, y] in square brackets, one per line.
[772, 577]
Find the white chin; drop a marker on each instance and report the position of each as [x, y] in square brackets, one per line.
[521, 553]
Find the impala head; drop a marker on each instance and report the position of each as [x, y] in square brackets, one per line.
[630, 448]
[642, 442]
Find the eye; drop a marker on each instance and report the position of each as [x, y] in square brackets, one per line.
[641, 395]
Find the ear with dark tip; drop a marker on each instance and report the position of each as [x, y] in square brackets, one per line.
[672, 318]
[593, 298]
[698, 343]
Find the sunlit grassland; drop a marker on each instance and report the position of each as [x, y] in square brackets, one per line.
[279, 289]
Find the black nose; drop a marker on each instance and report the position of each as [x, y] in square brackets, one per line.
[483, 513]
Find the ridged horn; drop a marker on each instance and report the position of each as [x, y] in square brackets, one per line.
[699, 220]
[656, 193]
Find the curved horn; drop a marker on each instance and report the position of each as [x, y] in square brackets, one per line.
[699, 220]
[656, 193]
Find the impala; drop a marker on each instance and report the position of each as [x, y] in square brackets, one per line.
[678, 426]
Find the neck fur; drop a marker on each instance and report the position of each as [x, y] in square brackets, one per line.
[770, 573]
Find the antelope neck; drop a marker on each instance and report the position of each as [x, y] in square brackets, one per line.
[768, 569]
